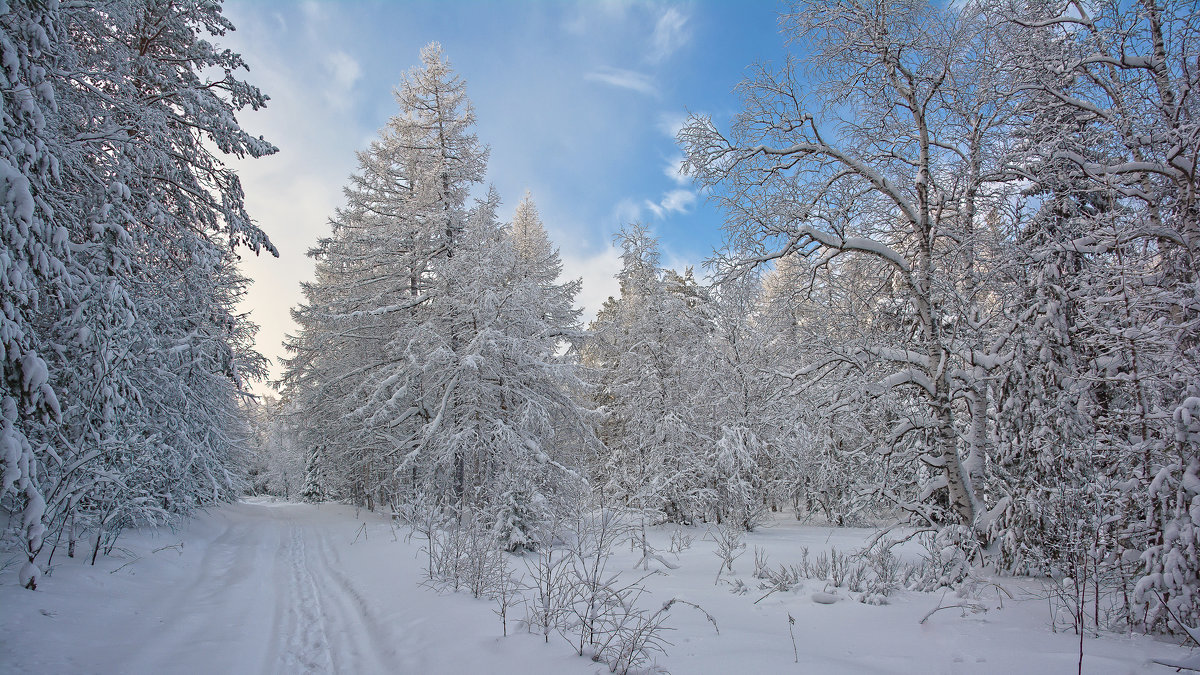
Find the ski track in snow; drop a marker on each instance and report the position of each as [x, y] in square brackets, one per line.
[305, 647]
[327, 626]
[215, 600]
[287, 575]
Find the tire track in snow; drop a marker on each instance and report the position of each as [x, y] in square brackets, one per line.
[199, 621]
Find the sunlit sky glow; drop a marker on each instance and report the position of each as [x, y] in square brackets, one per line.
[579, 103]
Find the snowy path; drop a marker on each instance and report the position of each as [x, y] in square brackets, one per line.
[298, 589]
[326, 625]
[274, 568]
[256, 588]
[203, 616]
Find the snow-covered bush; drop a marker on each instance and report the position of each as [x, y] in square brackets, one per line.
[946, 559]
[465, 553]
[872, 575]
[730, 541]
[589, 546]
[547, 573]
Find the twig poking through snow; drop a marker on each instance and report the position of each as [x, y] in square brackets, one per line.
[795, 651]
[710, 617]
[125, 565]
[177, 547]
[973, 606]
[360, 532]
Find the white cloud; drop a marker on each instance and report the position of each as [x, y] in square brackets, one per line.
[674, 170]
[675, 201]
[345, 72]
[625, 79]
[670, 33]
[626, 211]
[679, 200]
[599, 274]
[670, 124]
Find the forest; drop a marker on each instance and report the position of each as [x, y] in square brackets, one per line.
[957, 301]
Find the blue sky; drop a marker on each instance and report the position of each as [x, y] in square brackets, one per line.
[579, 103]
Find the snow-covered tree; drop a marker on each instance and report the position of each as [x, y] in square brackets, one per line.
[427, 362]
[1106, 347]
[889, 181]
[993, 211]
[278, 464]
[361, 325]
[135, 329]
[643, 351]
[34, 255]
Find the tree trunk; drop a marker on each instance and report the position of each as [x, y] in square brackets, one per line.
[71, 537]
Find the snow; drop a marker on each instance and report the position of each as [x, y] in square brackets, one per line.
[278, 587]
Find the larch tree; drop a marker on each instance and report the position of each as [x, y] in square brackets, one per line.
[426, 367]
[643, 351]
[365, 315]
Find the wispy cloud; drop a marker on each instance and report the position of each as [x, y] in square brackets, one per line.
[674, 170]
[675, 201]
[678, 200]
[314, 18]
[344, 72]
[625, 79]
[670, 124]
[626, 211]
[670, 33]
[589, 15]
[599, 274]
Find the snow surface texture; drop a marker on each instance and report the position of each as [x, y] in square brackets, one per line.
[295, 588]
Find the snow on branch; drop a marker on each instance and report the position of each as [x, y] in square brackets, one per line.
[909, 376]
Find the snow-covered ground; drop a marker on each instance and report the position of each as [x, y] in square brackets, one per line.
[260, 587]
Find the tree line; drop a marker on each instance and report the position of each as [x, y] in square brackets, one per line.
[958, 295]
[122, 355]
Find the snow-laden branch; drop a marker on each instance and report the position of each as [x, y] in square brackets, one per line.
[911, 376]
